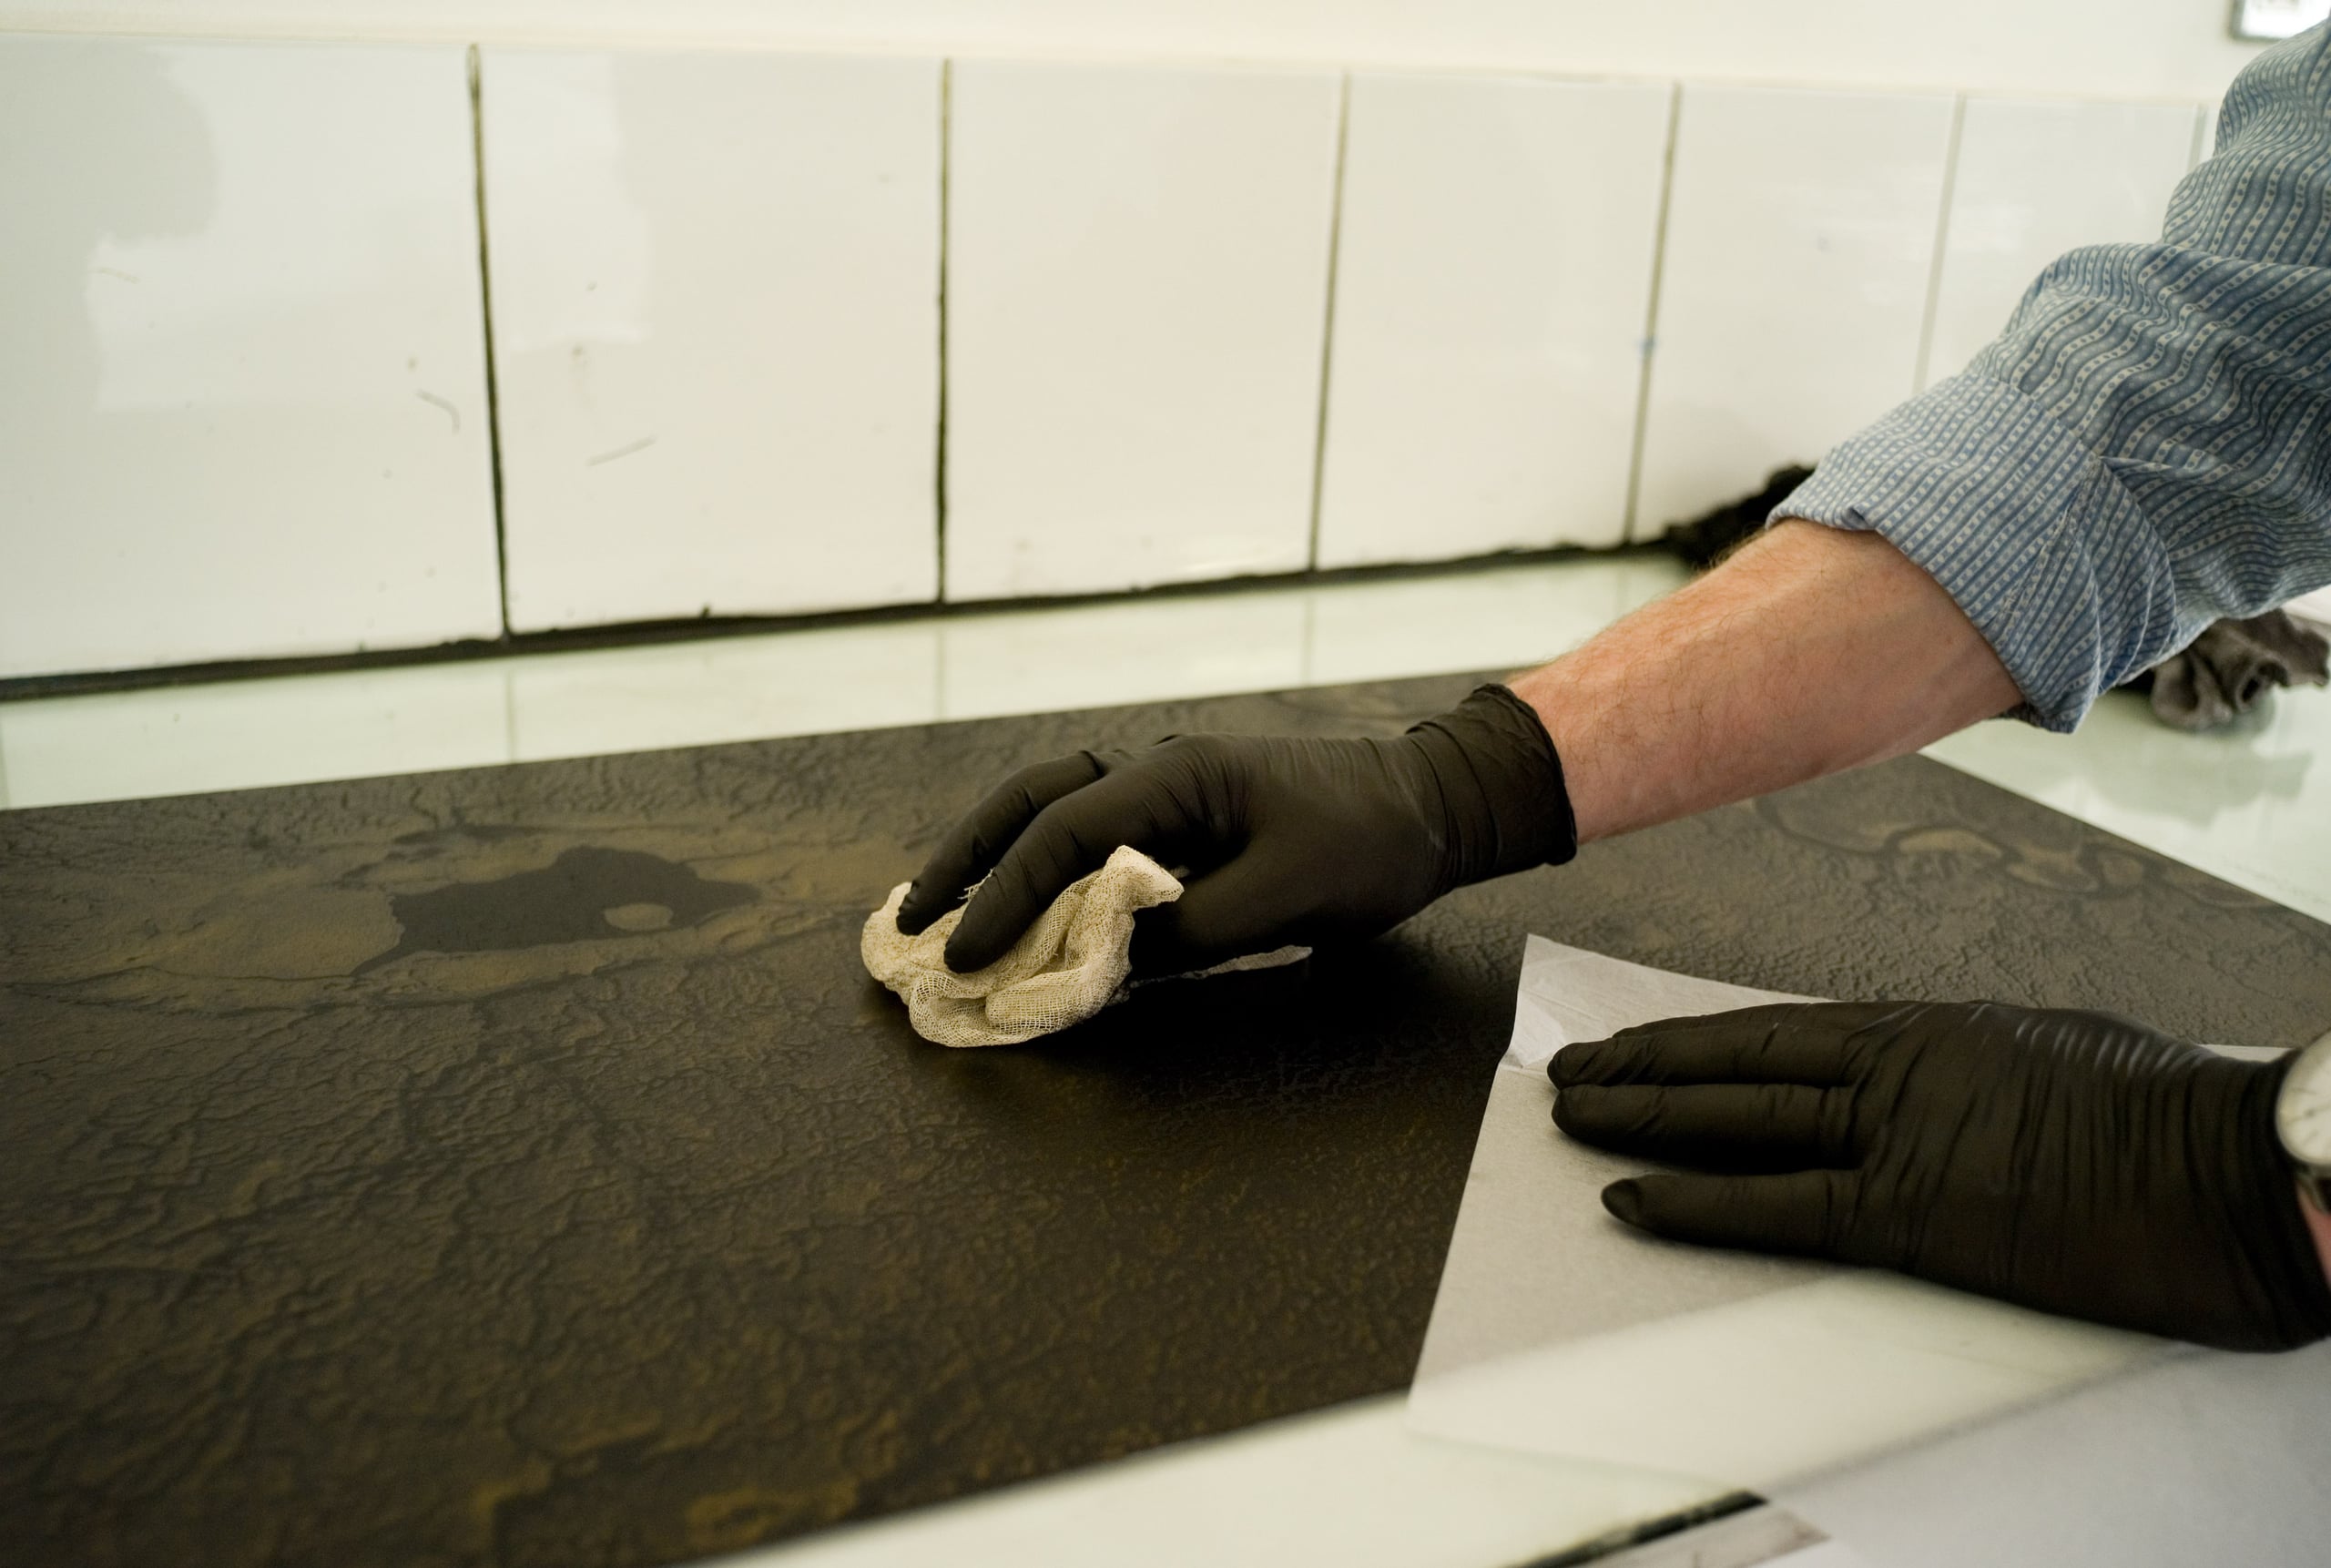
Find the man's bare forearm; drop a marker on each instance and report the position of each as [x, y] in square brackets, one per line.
[1810, 651]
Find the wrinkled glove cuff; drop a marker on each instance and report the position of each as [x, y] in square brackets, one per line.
[1501, 785]
[2294, 1307]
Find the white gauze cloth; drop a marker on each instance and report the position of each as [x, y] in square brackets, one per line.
[1070, 965]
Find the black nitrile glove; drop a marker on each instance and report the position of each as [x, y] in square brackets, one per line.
[1287, 840]
[2074, 1162]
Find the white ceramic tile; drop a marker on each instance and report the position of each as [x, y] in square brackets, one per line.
[2033, 180]
[531, 707]
[2314, 607]
[1492, 285]
[2250, 803]
[1801, 234]
[2278, 18]
[1497, 617]
[1143, 650]
[716, 329]
[1508, 618]
[721, 689]
[1823, 1555]
[1137, 295]
[242, 395]
[247, 734]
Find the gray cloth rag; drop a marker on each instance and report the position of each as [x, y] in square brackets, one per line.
[2232, 664]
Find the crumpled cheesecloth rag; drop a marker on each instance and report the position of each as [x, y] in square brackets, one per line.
[2231, 665]
[1070, 965]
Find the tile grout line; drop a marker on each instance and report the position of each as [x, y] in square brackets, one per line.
[486, 317]
[1941, 246]
[938, 457]
[699, 629]
[1327, 325]
[1651, 314]
[510, 715]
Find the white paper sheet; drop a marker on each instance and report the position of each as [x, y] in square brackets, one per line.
[1558, 1330]
[2204, 1458]
[2000, 1436]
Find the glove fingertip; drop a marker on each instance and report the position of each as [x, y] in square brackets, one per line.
[977, 942]
[1624, 1199]
[1571, 1064]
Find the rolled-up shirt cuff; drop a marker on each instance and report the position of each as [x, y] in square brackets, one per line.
[2023, 525]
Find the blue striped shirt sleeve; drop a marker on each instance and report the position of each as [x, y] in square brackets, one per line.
[2147, 447]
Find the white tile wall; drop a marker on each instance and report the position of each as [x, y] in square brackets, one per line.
[527, 707]
[2248, 803]
[801, 681]
[1801, 236]
[1137, 262]
[242, 398]
[1492, 285]
[2035, 179]
[717, 331]
[1496, 618]
[245, 413]
[1091, 656]
[249, 734]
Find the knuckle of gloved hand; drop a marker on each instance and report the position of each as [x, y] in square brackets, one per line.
[1046, 777]
[1185, 758]
[1836, 1121]
[1227, 778]
[2093, 1031]
[1857, 1226]
[1626, 1062]
[1598, 1114]
[1871, 1028]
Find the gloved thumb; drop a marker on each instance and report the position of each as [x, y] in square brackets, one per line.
[1229, 912]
